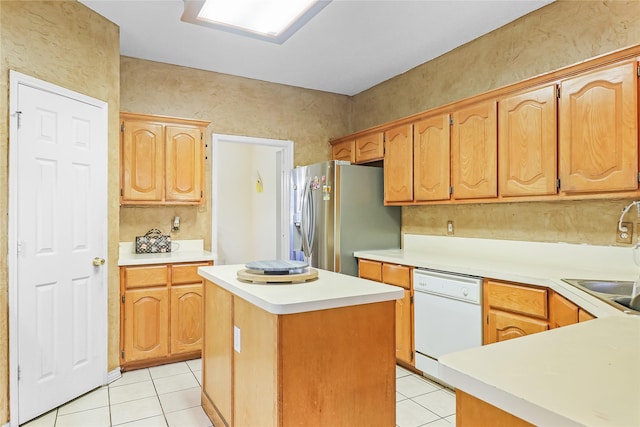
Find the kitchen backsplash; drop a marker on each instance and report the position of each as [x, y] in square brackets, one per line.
[195, 222]
[575, 221]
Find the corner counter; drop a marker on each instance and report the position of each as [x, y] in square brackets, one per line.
[314, 353]
[185, 251]
[586, 374]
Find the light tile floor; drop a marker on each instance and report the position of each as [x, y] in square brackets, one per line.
[169, 395]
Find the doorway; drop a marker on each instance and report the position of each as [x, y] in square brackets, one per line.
[57, 245]
[250, 198]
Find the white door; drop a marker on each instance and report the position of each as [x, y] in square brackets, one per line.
[61, 227]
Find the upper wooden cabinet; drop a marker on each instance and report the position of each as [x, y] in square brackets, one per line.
[361, 148]
[398, 164]
[162, 160]
[567, 134]
[474, 151]
[344, 150]
[527, 143]
[369, 147]
[599, 130]
[431, 158]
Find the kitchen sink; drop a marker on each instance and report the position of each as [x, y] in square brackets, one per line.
[613, 287]
[615, 292]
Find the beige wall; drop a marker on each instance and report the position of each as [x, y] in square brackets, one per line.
[67, 44]
[233, 105]
[560, 34]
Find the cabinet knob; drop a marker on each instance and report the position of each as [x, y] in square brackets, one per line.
[98, 261]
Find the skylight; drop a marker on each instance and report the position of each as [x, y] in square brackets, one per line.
[271, 20]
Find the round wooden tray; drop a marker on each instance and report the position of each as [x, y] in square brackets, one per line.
[254, 276]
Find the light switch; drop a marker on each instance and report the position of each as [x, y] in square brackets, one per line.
[236, 338]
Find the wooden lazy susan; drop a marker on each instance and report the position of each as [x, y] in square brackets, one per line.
[277, 271]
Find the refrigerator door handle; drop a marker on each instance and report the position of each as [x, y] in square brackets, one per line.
[307, 223]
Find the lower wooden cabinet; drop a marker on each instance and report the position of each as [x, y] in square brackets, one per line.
[514, 310]
[397, 275]
[161, 315]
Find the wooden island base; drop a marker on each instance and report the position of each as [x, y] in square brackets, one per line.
[317, 368]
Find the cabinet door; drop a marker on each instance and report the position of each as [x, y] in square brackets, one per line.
[186, 318]
[371, 270]
[398, 164]
[474, 151]
[146, 324]
[431, 158]
[404, 328]
[504, 326]
[217, 353]
[142, 151]
[344, 150]
[527, 143]
[598, 130]
[562, 312]
[369, 147]
[184, 179]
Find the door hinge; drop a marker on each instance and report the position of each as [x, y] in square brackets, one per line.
[122, 127]
[122, 192]
[411, 300]
[638, 70]
[19, 247]
[412, 355]
[487, 319]
[19, 372]
[19, 117]
[123, 299]
[638, 176]
[558, 184]
[122, 354]
[201, 194]
[450, 121]
[558, 92]
[451, 190]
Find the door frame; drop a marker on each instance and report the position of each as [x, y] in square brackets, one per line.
[284, 155]
[16, 79]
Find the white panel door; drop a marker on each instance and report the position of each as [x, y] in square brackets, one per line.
[61, 228]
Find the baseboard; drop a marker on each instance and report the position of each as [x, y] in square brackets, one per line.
[113, 375]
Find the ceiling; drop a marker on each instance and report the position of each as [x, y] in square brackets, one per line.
[350, 46]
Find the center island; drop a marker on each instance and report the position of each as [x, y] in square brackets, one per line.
[315, 353]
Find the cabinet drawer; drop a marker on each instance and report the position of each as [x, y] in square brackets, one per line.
[526, 300]
[186, 273]
[371, 270]
[398, 275]
[140, 277]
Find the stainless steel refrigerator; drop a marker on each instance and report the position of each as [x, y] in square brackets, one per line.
[338, 208]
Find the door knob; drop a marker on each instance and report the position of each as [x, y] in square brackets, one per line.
[98, 261]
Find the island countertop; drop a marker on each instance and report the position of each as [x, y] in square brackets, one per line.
[329, 290]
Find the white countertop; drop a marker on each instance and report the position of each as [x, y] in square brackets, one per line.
[532, 263]
[330, 290]
[182, 251]
[586, 374]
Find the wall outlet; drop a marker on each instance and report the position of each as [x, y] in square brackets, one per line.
[450, 228]
[624, 236]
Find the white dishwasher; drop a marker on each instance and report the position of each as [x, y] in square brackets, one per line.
[447, 316]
